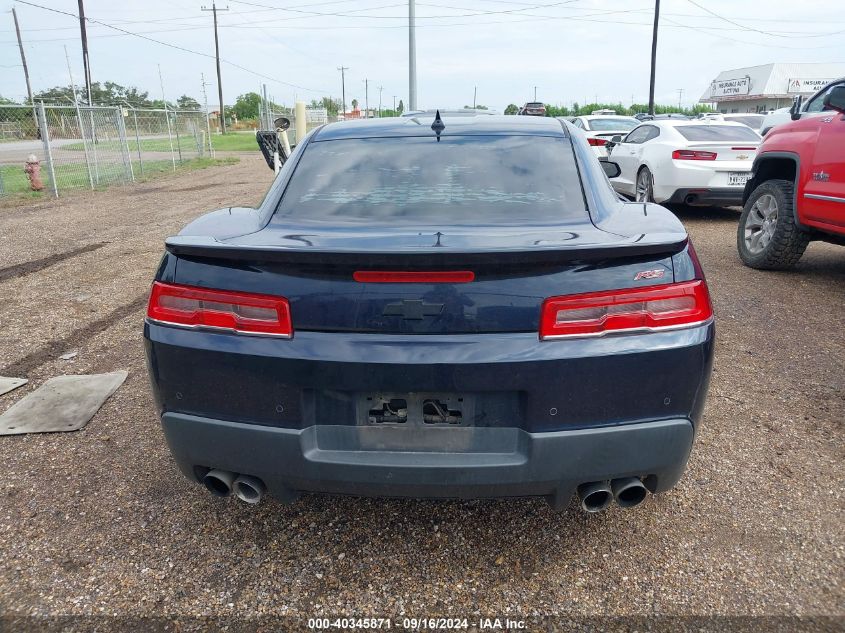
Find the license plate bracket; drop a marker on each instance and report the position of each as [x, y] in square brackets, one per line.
[415, 409]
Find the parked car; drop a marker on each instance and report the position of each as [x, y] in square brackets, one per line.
[671, 115]
[464, 309]
[690, 162]
[643, 116]
[810, 107]
[533, 108]
[599, 129]
[796, 193]
[752, 120]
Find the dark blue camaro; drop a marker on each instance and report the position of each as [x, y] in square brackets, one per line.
[464, 309]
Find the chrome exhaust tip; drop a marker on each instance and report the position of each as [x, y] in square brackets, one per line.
[628, 492]
[219, 482]
[595, 496]
[249, 489]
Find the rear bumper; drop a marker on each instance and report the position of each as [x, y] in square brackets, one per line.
[432, 463]
[712, 196]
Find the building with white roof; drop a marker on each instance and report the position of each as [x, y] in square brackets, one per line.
[768, 87]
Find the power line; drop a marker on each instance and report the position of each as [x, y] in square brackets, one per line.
[402, 17]
[751, 28]
[174, 46]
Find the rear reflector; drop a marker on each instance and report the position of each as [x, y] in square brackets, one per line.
[413, 277]
[688, 154]
[597, 142]
[651, 308]
[245, 313]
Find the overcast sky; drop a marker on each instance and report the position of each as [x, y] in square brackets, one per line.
[573, 50]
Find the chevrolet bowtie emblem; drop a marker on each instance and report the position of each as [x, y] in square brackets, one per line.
[414, 309]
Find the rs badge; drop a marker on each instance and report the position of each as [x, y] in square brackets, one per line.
[649, 274]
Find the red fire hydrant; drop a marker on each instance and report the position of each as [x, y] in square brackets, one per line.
[32, 168]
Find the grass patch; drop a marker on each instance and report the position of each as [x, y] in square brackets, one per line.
[232, 142]
[75, 175]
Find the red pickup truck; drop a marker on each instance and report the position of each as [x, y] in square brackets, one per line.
[796, 192]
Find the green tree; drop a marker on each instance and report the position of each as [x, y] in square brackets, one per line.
[246, 106]
[107, 93]
[401, 107]
[512, 109]
[187, 103]
[478, 107]
[355, 104]
[331, 106]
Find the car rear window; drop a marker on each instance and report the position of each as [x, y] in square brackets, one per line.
[611, 125]
[460, 180]
[717, 133]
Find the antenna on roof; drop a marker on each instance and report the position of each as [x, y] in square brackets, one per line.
[438, 126]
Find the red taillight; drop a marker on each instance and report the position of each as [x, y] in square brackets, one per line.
[246, 313]
[648, 308]
[597, 142]
[688, 154]
[413, 277]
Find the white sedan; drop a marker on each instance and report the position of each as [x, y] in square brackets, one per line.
[600, 128]
[691, 162]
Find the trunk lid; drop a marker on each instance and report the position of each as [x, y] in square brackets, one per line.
[733, 151]
[514, 270]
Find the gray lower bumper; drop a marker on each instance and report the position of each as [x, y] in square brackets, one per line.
[464, 462]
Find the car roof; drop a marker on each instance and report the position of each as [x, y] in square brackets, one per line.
[495, 125]
[590, 117]
[670, 123]
[446, 112]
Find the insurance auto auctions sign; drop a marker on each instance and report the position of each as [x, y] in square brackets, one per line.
[807, 85]
[731, 87]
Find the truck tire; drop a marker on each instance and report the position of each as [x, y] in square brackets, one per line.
[767, 236]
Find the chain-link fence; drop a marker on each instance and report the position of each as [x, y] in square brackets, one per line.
[80, 147]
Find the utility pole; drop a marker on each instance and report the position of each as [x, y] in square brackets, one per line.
[380, 88]
[412, 56]
[394, 105]
[653, 57]
[680, 96]
[86, 65]
[205, 107]
[535, 93]
[366, 98]
[343, 70]
[23, 57]
[26, 73]
[474, 95]
[214, 10]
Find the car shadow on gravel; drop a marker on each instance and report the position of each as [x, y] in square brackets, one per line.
[710, 214]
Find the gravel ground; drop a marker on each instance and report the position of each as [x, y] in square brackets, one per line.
[100, 521]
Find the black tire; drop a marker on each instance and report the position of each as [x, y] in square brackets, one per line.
[644, 173]
[784, 243]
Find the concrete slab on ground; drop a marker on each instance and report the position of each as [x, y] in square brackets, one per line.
[63, 403]
[9, 384]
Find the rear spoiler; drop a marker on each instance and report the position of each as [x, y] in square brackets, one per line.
[640, 246]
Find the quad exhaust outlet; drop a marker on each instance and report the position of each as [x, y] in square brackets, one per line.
[629, 491]
[249, 489]
[596, 496]
[222, 483]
